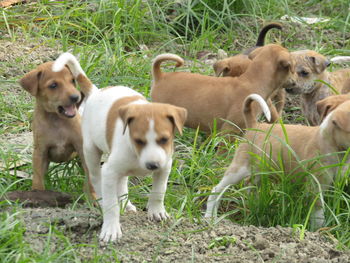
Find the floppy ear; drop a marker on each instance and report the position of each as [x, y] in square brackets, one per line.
[125, 114]
[30, 81]
[177, 116]
[323, 109]
[254, 53]
[320, 63]
[325, 106]
[219, 68]
[341, 119]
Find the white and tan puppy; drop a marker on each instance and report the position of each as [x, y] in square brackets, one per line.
[333, 136]
[138, 136]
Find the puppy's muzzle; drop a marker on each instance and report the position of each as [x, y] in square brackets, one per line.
[74, 98]
[152, 166]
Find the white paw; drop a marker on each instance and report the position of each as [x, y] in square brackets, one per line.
[130, 207]
[157, 214]
[110, 232]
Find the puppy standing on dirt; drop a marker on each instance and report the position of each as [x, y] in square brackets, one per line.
[307, 142]
[207, 98]
[310, 68]
[56, 123]
[138, 136]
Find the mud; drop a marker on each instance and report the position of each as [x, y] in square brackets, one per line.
[177, 240]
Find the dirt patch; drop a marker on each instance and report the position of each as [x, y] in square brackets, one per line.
[20, 55]
[177, 240]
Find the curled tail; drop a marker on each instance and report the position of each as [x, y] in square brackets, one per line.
[261, 38]
[249, 117]
[70, 60]
[156, 72]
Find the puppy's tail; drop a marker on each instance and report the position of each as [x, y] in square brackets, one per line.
[249, 118]
[67, 59]
[261, 38]
[340, 59]
[156, 72]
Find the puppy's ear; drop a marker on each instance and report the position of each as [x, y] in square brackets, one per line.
[30, 81]
[341, 119]
[323, 109]
[177, 116]
[325, 106]
[254, 53]
[125, 114]
[220, 67]
[320, 63]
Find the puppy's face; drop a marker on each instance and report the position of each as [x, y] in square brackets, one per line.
[151, 130]
[55, 91]
[327, 105]
[309, 67]
[232, 66]
[337, 125]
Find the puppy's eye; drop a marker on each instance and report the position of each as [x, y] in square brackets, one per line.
[73, 81]
[140, 142]
[53, 85]
[303, 73]
[163, 140]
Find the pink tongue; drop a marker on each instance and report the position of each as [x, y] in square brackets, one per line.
[69, 110]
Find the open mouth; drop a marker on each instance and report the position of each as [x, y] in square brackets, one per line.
[68, 111]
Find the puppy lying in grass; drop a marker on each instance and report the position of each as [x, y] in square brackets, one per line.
[294, 145]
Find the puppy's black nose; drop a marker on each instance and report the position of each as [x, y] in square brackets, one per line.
[74, 98]
[152, 166]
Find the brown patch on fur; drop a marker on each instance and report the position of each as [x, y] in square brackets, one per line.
[113, 115]
[166, 118]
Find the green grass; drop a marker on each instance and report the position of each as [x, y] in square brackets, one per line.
[108, 36]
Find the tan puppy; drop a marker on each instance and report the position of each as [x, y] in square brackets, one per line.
[346, 87]
[236, 65]
[310, 68]
[325, 106]
[56, 123]
[208, 98]
[307, 143]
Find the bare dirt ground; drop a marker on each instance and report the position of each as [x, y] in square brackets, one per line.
[177, 240]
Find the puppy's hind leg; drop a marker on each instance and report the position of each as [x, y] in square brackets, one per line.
[232, 176]
[122, 186]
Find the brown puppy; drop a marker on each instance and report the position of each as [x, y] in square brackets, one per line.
[56, 123]
[236, 65]
[306, 142]
[208, 98]
[309, 78]
[325, 106]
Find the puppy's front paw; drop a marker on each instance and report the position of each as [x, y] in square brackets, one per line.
[130, 207]
[157, 214]
[110, 232]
